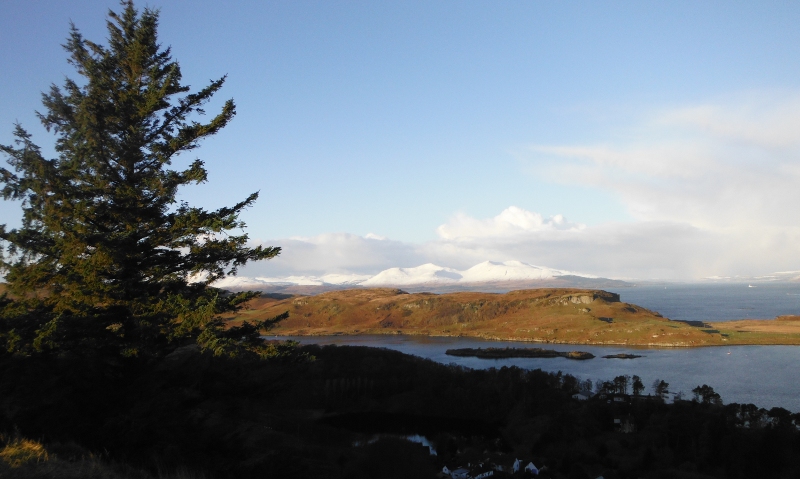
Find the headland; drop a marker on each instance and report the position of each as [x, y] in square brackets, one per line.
[547, 315]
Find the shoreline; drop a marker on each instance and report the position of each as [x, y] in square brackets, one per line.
[542, 316]
[274, 335]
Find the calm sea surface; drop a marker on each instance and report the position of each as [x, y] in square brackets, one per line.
[716, 302]
[766, 376]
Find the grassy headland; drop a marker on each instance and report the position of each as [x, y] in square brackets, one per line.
[557, 315]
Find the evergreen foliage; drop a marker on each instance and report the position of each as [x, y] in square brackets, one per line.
[637, 385]
[240, 418]
[105, 256]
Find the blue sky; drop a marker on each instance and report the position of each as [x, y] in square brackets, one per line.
[665, 134]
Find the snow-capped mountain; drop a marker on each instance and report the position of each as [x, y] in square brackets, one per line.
[243, 282]
[491, 271]
[486, 272]
[425, 275]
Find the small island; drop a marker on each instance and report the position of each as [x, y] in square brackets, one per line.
[621, 356]
[498, 353]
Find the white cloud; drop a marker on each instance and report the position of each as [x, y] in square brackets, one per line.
[713, 190]
[619, 250]
[636, 250]
[632, 250]
[717, 167]
[339, 253]
[512, 221]
[768, 121]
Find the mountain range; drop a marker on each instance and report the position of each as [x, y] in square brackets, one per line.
[486, 276]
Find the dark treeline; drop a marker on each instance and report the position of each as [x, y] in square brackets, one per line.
[297, 417]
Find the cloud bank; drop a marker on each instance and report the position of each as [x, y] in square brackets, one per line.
[713, 190]
[513, 221]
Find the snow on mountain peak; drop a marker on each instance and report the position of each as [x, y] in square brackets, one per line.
[344, 279]
[243, 282]
[426, 273]
[507, 271]
[429, 273]
[488, 271]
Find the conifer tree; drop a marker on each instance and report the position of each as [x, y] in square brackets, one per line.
[105, 254]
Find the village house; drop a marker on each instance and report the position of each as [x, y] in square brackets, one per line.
[456, 472]
[530, 468]
[613, 398]
[624, 424]
[487, 469]
[482, 472]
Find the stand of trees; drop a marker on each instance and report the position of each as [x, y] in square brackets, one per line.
[107, 261]
[239, 418]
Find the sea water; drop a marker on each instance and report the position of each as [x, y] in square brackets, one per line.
[715, 302]
[763, 375]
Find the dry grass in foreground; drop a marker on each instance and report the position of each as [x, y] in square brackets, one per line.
[22, 458]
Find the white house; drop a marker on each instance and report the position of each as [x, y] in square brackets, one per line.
[532, 469]
[460, 473]
[671, 398]
[482, 473]
[624, 425]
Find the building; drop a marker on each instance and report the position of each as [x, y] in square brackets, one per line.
[624, 424]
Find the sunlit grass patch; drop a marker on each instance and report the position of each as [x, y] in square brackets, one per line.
[17, 452]
[22, 458]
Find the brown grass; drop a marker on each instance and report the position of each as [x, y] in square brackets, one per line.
[22, 458]
[555, 315]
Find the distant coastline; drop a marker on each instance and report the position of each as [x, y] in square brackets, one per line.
[547, 315]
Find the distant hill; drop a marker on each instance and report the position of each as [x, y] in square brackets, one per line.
[555, 315]
[486, 272]
[550, 315]
[489, 276]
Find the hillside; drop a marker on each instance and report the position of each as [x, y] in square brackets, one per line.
[559, 315]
